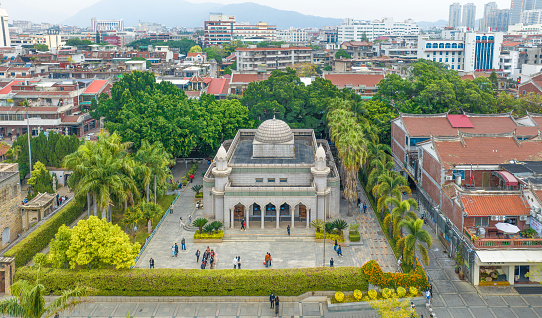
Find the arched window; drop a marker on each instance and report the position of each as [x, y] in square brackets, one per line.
[454, 45]
[435, 45]
[448, 45]
[441, 46]
[491, 38]
[428, 46]
[460, 45]
[484, 38]
[478, 38]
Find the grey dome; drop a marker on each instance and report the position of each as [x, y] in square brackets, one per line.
[274, 131]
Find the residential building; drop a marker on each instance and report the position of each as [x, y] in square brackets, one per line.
[495, 19]
[279, 58]
[239, 82]
[4, 29]
[469, 16]
[354, 30]
[508, 63]
[10, 198]
[531, 17]
[270, 175]
[222, 28]
[489, 8]
[454, 16]
[531, 86]
[291, 35]
[106, 25]
[358, 49]
[516, 11]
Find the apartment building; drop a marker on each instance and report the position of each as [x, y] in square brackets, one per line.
[354, 30]
[454, 19]
[4, 29]
[106, 25]
[279, 58]
[469, 15]
[292, 35]
[222, 28]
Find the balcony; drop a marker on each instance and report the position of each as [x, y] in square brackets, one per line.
[513, 241]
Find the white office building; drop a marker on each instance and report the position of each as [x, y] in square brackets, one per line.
[107, 25]
[292, 35]
[470, 52]
[354, 30]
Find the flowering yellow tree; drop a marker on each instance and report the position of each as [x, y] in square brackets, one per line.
[94, 243]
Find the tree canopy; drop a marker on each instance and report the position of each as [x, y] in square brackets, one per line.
[41, 180]
[78, 42]
[284, 95]
[183, 45]
[195, 49]
[140, 109]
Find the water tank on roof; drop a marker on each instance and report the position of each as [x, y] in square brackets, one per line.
[457, 177]
[482, 232]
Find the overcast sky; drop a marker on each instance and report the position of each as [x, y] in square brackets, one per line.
[419, 10]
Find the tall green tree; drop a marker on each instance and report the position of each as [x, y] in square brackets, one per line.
[399, 213]
[413, 241]
[152, 161]
[41, 180]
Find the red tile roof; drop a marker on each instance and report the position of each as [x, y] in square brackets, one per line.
[426, 126]
[7, 89]
[488, 205]
[218, 86]
[469, 77]
[459, 121]
[43, 93]
[342, 80]
[96, 87]
[30, 110]
[510, 44]
[486, 150]
[195, 54]
[248, 78]
[357, 43]
[19, 69]
[538, 193]
[70, 119]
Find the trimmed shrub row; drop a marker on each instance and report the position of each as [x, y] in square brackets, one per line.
[191, 282]
[377, 277]
[209, 236]
[36, 241]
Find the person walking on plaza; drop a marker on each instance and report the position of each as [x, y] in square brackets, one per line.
[171, 209]
[173, 251]
[176, 249]
[267, 260]
[190, 219]
[364, 207]
[288, 229]
[183, 245]
[191, 178]
[428, 296]
[197, 256]
[276, 305]
[339, 251]
[151, 263]
[335, 247]
[270, 259]
[331, 262]
[238, 262]
[242, 224]
[272, 300]
[234, 262]
[212, 261]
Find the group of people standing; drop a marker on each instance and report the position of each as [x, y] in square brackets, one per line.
[362, 206]
[208, 255]
[274, 300]
[237, 262]
[175, 248]
[268, 260]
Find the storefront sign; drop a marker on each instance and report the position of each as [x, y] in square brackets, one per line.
[536, 225]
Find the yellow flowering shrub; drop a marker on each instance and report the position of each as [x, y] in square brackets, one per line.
[372, 294]
[413, 291]
[339, 297]
[401, 292]
[358, 294]
[386, 293]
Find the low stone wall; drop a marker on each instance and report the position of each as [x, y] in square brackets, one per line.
[365, 305]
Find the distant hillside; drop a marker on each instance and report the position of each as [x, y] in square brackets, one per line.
[428, 25]
[182, 13]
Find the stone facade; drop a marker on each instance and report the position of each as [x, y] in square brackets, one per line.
[294, 186]
[10, 199]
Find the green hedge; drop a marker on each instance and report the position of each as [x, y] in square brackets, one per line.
[36, 241]
[191, 282]
[354, 236]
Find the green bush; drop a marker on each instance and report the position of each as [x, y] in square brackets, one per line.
[209, 235]
[320, 236]
[191, 282]
[198, 195]
[36, 241]
[354, 236]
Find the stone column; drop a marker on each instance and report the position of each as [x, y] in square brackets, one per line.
[247, 215]
[293, 213]
[277, 213]
[308, 214]
[262, 219]
[232, 220]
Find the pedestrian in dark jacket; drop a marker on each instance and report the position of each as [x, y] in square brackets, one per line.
[197, 256]
[151, 263]
[277, 305]
[272, 300]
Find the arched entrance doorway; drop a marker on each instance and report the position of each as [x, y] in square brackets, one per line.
[270, 212]
[238, 213]
[6, 236]
[285, 215]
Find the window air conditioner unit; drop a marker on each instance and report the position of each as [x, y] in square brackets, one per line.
[523, 218]
[449, 178]
[494, 218]
[502, 218]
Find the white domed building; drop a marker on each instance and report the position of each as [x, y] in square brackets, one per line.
[271, 177]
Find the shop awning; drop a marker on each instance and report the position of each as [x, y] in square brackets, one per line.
[507, 177]
[519, 256]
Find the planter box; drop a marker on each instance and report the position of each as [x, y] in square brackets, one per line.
[330, 241]
[366, 305]
[207, 240]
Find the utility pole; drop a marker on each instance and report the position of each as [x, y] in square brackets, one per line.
[25, 104]
[324, 258]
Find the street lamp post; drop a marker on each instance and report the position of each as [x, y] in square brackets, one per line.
[25, 104]
[324, 258]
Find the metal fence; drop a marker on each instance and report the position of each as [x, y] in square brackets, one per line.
[445, 229]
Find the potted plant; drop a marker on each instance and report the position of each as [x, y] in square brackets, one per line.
[458, 262]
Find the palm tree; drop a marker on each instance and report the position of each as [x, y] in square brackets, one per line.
[318, 224]
[340, 225]
[148, 211]
[401, 210]
[153, 161]
[378, 167]
[392, 185]
[200, 223]
[28, 300]
[412, 242]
